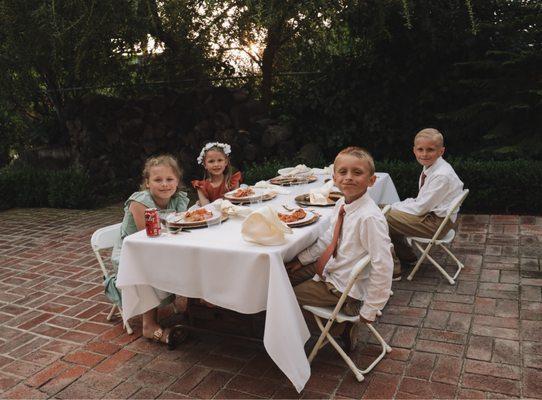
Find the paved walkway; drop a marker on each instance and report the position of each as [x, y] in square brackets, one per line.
[481, 338]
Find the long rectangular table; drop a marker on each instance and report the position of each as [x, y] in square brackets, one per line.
[216, 264]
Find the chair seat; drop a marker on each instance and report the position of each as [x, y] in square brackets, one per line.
[326, 312]
[446, 239]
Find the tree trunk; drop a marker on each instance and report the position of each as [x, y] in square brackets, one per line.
[273, 43]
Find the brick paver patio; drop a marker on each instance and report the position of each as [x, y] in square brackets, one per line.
[481, 338]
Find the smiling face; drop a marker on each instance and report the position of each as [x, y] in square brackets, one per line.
[215, 162]
[427, 151]
[352, 175]
[162, 183]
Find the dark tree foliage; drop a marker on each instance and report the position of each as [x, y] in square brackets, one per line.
[379, 69]
[383, 81]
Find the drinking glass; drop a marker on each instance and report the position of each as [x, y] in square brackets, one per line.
[164, 215]
[256, 200]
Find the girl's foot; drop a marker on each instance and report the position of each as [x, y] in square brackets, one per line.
[170, 336]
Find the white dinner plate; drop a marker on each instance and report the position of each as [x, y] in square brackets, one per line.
[178, 218]
[258, 192]
[308, 217]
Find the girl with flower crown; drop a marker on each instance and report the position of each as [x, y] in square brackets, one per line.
[218, 177]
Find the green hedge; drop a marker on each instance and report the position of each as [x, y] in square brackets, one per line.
[30, 187]
[496, 187]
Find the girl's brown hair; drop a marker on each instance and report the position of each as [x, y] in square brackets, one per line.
[164, 159]
[228, 171]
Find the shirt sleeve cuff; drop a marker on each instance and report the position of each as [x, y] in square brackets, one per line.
[305, 258]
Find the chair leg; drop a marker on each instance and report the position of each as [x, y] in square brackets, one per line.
[320, 342]
[129, 329]
[460, 265]
[385, 349]
[111, 313]
[424, 252]
[127, 326]
[357, 372]
[348, 360]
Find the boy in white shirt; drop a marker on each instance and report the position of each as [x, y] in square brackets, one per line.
[357, 228]
[438, 185]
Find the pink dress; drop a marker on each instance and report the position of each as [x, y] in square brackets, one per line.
[213, 193]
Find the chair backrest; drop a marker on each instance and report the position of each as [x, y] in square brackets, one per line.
[104, 238]
[454, 206]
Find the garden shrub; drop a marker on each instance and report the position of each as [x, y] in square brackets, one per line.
[70, 188]
[24, 186]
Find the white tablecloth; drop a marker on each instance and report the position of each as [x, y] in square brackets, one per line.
[216, 264]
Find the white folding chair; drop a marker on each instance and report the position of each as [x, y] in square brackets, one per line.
[417, 241]
[104, 238]
[335, 314]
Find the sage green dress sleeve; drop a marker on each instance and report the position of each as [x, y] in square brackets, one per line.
[178, 202]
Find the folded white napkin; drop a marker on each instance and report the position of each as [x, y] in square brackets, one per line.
[227, 207]
[263, 226]
[320, 195]
[300, 169]
[275, 188]
[323, 171]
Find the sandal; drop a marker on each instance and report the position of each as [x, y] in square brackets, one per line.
[176, 335]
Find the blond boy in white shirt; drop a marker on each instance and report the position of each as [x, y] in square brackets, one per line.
[357, 228]
[438, 186]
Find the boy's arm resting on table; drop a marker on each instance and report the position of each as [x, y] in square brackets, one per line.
[432, 196]
[374, 234]
[311, 253]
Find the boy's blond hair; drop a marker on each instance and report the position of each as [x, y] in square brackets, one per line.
[431, 134]
[164, 159]
[360, 153]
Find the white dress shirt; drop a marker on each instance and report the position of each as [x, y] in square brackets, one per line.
[364, 231]
[441, 187]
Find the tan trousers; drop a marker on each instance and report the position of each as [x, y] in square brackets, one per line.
[322, 294]
[402, 224]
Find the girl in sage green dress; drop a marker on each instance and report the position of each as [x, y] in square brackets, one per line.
[159, 189]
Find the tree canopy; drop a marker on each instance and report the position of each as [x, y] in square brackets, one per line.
[366, 72]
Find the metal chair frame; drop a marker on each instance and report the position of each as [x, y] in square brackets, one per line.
[333, 314]
[417, 241]
[102, 239]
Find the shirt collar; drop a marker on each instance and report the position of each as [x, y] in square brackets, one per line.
[352, 207]
[428, 171]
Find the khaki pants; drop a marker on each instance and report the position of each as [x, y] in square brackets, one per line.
[322, 294]
[402, 224]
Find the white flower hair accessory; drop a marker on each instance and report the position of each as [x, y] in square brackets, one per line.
[224, 146]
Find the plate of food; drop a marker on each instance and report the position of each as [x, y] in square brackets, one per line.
[298, 217]
[304, 200]
[246, 194]
[197, 218]
[292, 180]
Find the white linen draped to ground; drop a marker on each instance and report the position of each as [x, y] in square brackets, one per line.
[216, 264]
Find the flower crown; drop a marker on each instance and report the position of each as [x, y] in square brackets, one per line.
[224, 146]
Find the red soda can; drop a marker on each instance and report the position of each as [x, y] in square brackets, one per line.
[152, 222]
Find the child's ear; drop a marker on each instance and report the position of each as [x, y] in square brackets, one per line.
[372, 180]
[442, 149]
